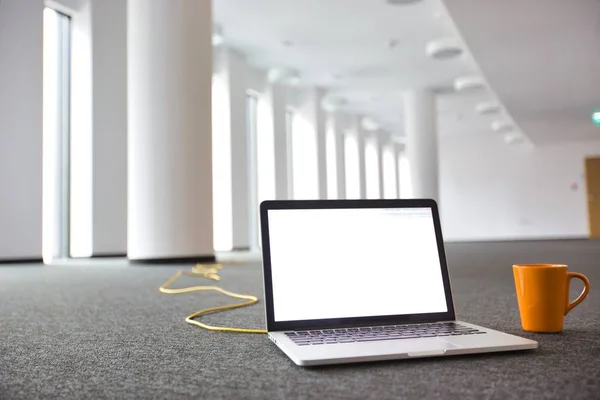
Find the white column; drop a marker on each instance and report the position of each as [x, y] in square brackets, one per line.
[360, 139]
[235, 69]
[169, 126]
[340, 154]
[421, 142]
[321, 136]
[282, 143]
[109, 181]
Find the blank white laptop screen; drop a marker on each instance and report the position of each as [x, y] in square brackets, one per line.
[340, 263]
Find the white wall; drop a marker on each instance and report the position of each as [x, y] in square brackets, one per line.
[21, 129]
[109, 38]
[492, 191]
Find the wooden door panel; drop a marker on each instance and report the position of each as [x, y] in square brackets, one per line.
[592, 174]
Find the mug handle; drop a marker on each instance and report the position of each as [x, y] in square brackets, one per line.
[586, 289]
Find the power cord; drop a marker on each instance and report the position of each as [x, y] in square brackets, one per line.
[210, 271]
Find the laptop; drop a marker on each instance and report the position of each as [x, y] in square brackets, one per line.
[363, 280]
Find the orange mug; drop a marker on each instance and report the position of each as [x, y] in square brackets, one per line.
[543, 295]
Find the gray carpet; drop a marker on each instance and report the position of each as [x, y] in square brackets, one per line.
[105, 331]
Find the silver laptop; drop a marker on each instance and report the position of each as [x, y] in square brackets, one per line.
[363, 280]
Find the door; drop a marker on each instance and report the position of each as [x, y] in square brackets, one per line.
[592, 173]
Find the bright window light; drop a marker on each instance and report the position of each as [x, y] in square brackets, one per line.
[51, 132]
[372, 168]
[330, 148]
[352, 166]
[81, 139]
[406, 189]
[390, 179]
[304, 159]
[265, 150]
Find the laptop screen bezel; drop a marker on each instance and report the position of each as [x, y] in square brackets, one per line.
[273, 325]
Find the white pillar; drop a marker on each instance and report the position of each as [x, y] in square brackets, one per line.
[109, 146]
[421, 142]
[169, 126]
[282, 142]
[321, 136]
[235, 70]
[340, 154]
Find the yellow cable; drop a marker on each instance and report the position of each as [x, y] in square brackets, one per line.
[210, 271]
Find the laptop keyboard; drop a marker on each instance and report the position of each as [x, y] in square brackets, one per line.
[377, 333]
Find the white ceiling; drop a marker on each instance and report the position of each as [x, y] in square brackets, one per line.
[542, 57]
[342, 45]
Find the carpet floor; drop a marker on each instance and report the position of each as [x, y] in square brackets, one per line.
[104, 331]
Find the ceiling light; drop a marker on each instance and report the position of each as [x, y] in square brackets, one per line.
[468, 83]
[333, 103]
[286, 76]
[217, 35]
[488, 107]
[444, 49]
[368, 124]
[502, 126]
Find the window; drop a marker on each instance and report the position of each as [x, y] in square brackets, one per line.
[252, 126]
[331, 161]
[264, 149]
[406, 190]
[390, 180]
[56, 239]
[352, 166]
[221, 150]
[304, 159]
[372, 168]
[289, 122]
[265, 152]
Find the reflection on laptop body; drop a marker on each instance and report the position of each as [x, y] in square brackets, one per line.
[363, 280]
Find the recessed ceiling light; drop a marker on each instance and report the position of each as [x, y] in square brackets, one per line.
[368, 124]
[444, 49]
[468, 83]
[502, 126]
[217, 35]
[488, 107]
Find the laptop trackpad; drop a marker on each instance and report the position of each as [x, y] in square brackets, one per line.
[427, 348]
[410, 347]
